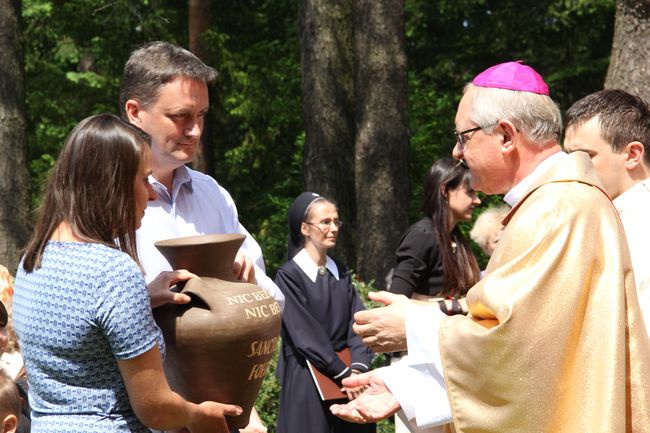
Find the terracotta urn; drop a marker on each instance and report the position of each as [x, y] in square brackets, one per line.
[220, 344]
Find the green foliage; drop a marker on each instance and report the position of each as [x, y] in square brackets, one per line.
[258, 114]
[363, 289]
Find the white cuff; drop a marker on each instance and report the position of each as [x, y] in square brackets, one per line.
[422, 325]
[420, 392]
[345, 370]
[418, 382]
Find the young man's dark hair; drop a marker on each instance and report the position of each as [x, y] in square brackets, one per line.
[622, 118]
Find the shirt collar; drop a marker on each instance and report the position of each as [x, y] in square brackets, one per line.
[630, 198]
[517, 192]
[181, 177]
[310, 268]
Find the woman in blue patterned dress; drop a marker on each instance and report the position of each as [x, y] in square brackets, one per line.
[81, 307]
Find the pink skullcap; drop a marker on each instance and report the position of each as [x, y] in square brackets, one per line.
[512, 76]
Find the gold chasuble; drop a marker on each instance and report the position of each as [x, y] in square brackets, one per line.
[555, 342]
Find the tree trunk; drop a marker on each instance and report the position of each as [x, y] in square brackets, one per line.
[629, 68]
[326, 49]
[381, 158]
[14, 188]
[199, 21]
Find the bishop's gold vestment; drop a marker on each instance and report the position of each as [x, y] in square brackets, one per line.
[555, 342]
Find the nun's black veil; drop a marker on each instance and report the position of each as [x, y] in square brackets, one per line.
[297, 213]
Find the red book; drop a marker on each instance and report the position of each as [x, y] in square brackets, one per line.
[327, 388]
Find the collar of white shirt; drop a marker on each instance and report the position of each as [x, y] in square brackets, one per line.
[181, 178]
[310, 268]
[517, 192]
[632, 199]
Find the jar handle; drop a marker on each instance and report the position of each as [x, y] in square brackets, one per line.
[197, 300]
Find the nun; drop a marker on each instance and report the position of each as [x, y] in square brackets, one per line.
[317, 322]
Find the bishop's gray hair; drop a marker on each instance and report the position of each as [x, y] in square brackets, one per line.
[535, 115]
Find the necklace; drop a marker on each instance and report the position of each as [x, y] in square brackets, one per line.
[322, 270]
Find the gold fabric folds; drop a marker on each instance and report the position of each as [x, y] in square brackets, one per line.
[555, 341]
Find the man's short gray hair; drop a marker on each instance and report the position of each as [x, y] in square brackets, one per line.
[536, 116]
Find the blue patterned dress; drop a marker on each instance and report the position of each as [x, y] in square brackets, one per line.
[86, 308]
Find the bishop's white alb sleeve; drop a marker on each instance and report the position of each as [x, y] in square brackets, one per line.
[418, 382]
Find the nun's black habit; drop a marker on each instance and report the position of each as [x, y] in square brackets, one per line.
[316, 323]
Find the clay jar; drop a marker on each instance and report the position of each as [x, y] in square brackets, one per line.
[220, 344]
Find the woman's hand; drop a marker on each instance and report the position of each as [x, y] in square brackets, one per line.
[210, 417]
[159, 293]
[160, 408]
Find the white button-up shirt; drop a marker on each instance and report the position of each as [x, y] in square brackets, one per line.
[634, 208]
[197, 205]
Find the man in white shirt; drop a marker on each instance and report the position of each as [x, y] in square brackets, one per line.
[165, 93]
[613, 128]
[552, 341]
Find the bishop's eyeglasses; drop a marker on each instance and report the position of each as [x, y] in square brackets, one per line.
[463, 137]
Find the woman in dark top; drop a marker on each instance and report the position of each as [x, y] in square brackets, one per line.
[434, 260]
[317, 320]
